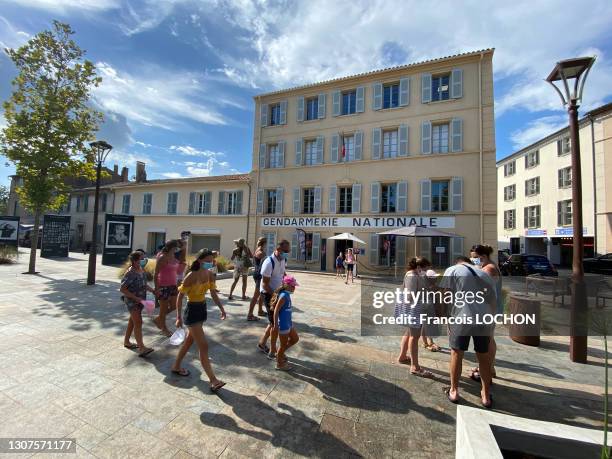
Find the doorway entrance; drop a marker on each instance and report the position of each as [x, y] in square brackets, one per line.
[155, 239]
[323, 254]
[341, 246]
[440, 248]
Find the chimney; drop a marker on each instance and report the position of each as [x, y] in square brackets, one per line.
[115, 170]
[141, 173]
[124, 174]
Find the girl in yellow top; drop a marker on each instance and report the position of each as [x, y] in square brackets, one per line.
[194, 287]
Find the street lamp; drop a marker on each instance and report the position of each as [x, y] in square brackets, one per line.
[101, 149]
[576, 69]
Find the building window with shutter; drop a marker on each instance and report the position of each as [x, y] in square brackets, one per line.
[78, 204]
[565, 177]
[345, 199]
[390, 144]
[312, 108]
[510, 219]
[532, 186]
[391, 95]
[349, 102]
[104, 202]
[274, 156]
[202, 203]
[564, 212]
[310, 152]
[172, 203]
[440, 87]
[563, 146]
[308, 201]
[349, 148]
[275, 112]
[439, 138]
[386, 250]
[147, 203]
[85, 203]
[532, 159]
[270, 202]
[532, 217]
[125, 204]
[232, 203]
[388, 197]
[439, 195]
[509, 168]
[509, 192]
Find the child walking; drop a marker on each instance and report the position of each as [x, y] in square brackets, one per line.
[282, 321]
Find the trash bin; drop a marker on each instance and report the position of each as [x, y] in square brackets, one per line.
[528, 333]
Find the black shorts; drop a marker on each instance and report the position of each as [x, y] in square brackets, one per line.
[461, 343]
[267, 299]
[195, 313]
[349, 266]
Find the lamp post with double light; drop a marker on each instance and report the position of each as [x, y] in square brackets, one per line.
[101, 150]
[572, 74]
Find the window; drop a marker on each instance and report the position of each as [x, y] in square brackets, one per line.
[312, 108]
[346, 199]
[78, 204]
[85, 203]
[275, 110]
[125, 204]
[310, 152]
[232, 203]
[532, 159]
[349, 100]
[386, 250]
[565, 177]
[390, 144]
[439, 195]
[275, 157]
[532, 217]
[509, 192]
[389, 197]
[104, 201]
[349, 148]
[203, 203]
[509, 168]
[308, 245]
[439, 138]
[510, 219]
[564, 212]
[172, 203]
[440, 87]
[308, 201]
[147, 201]
[532, 186]
[391, 95]
[563, 146]
[270, 202]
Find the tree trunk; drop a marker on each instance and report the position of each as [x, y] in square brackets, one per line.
[34, 241]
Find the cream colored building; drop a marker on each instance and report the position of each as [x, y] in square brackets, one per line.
[535, 194]
[409, 145]
[213, 209]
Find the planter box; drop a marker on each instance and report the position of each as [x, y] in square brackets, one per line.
[525, 334]
[491, 435]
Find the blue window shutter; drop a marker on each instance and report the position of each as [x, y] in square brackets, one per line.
[376, 142]
[457, 134]
[262, 156]
[358, 145]
[456, 89]
[239, 203]
[360, 100]
[263, 115]
[332, 199]
[298, 152]
[207, 202]
[403, 140]
[317, 200]
[456, 247]
[316, 245]
[221, 204]
[404, 92]
[300, 109]
[426, 138]
[281, 152]
[377, 96]
[334, 148]
[425, 88]
[457, 194]
[320, 149]
[356, 204]
[279, 201]
[294, 246]
[425, 247]
[283, 112]
[425, 195]
[400, 251]
[192, 203]
[296, 200]
[322, 102]
[336, 97]
[260, 196]
[375, 197]
[373, 249]
[402, 197]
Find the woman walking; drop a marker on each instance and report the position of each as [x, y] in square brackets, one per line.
[350, 262]
[166, 269]
[282, 321]
[258, 258]
[339, 265]
[198, 281]
[241, 256]
[134, 290]
[430, 277]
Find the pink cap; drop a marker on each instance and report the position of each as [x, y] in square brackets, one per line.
[290, 280]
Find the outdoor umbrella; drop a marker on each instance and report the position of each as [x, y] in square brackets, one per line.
[346, 237]
[417, 231]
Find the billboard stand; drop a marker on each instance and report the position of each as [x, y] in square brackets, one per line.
[118, 237]
[55, 239]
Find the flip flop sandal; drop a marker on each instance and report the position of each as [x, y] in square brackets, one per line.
[434, 348]
[272, 355]
[253, 319]
[403, 361]
[146, 352]
[285, 367]
[217, 386]
[131, 346]
[475, 375]
[264, 349]
[447, 392]
[422, 373]
[181, 372]
[489, 405]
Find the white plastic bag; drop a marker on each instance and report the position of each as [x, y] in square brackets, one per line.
[177, 337]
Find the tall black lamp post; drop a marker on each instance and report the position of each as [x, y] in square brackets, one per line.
[573, 73]
[101, 150]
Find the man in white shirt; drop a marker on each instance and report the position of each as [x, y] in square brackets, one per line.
[272, 272]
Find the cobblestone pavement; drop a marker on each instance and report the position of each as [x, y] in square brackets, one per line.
[65, 373]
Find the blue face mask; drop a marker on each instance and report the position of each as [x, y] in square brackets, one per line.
[143, 262]
[207, 265]
[285, 256]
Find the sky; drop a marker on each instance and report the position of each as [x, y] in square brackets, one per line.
[179, 76]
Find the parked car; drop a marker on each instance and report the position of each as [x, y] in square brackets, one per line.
[600, 265]
[525, 264]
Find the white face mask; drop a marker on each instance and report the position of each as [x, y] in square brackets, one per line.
[476, 261]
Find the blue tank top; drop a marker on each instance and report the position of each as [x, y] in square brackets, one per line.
[284, 315]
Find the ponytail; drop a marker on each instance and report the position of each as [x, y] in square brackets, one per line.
[195, 265]
[276, 294]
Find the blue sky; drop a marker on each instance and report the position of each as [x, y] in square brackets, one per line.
[179, 75]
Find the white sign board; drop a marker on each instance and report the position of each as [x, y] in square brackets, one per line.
[441, 249]
[373, 222]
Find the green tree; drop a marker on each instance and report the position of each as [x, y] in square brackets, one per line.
[4, 195]
[49, 121]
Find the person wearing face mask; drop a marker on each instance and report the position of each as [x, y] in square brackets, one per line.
[272, 272]
[165, 278]
[282, 321]
[197, 282]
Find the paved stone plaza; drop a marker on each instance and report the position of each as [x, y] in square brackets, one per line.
[65, 373]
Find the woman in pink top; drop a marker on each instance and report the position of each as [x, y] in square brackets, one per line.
[166, 269]
[350, 262]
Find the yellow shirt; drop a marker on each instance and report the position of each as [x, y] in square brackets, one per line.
[195, 292]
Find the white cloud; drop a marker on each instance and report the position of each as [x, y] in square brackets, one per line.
[171, 175]
[188, 150]
[126, 159]
[10, 35]
[536, 130]
[62, 6]
[143, 144]
[204, 163]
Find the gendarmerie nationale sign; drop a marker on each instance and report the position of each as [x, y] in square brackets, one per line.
[357, 222]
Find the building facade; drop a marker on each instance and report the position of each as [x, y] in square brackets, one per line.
[410, 145]
[535, 192]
